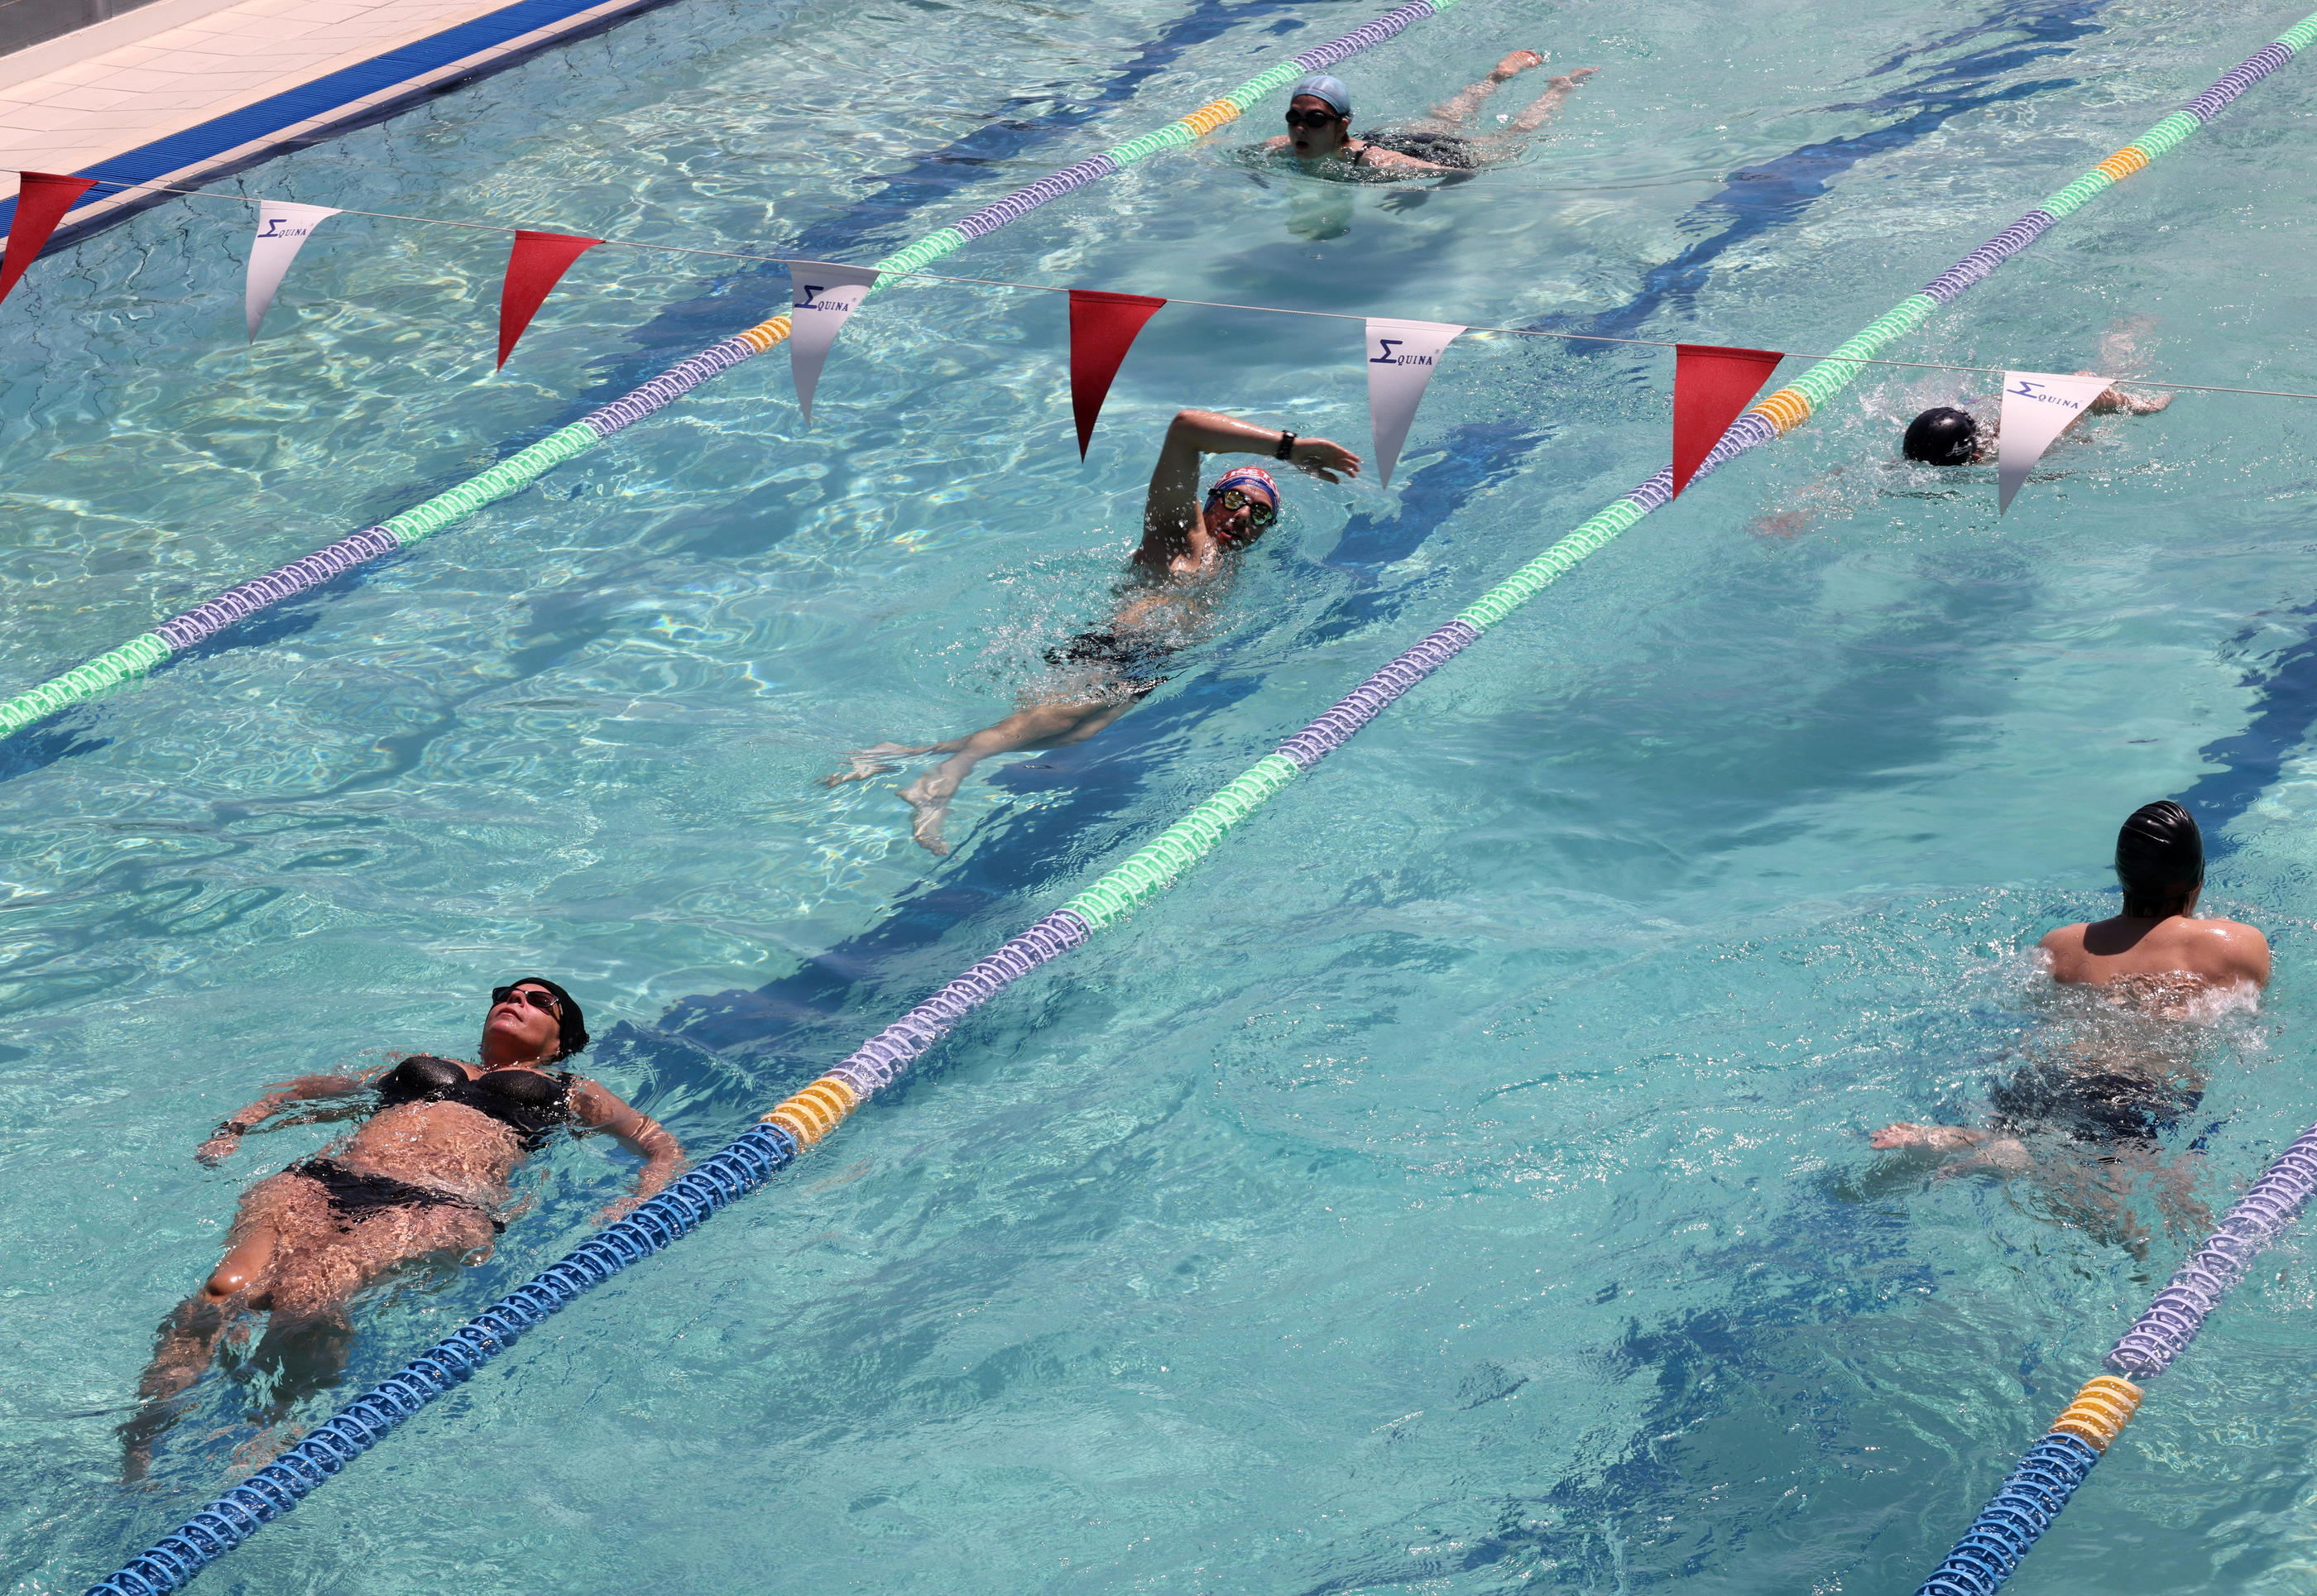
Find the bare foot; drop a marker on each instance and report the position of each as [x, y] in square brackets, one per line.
[1518, 62]
[1937, 1139]
[871, 761]
[1570, 80]
[929, 797]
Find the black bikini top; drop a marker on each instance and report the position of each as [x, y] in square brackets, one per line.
[526, 1101]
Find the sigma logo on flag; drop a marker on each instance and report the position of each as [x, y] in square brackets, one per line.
[2037, 408]
[823, 297]
[1401, 356]
[283, 229]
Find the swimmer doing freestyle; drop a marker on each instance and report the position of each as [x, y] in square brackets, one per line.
[1180, 574]
[2113, 1094]
[1318, 135]
[426, 1174]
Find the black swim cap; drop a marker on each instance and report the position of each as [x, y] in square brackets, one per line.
[573, 1023]
[1943, 437]
[2160, 859]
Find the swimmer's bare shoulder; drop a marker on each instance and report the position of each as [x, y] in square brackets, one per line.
[2220, 952]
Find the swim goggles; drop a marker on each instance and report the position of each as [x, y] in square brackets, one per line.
[1260, 512]
[537, 997]
[1314, 120]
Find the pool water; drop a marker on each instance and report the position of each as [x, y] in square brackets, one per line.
[1459, 1184]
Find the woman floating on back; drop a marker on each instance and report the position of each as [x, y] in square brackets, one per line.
[426, 1175]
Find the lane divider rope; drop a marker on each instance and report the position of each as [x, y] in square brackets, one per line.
[2030, 1498]
[519, 471]
[2052, 1468]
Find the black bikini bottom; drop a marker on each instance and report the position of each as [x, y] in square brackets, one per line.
[354, 1195]
[2094, 1105]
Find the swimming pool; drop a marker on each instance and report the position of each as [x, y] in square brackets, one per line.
[1453, 1187]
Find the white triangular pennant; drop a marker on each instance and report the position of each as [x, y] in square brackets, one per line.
[824, 296]
[2037, 406]
[282, 228]
[1401, 358]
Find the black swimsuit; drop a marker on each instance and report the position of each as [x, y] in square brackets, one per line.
[1139, 664]
[1442, 149]
[528, 1103]
[2094, 1105]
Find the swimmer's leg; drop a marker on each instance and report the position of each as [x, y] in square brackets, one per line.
[187, 1342]
[1450, 114]
[878, 761]
[1054, 723]
[1541, 108]
[1980, 1150]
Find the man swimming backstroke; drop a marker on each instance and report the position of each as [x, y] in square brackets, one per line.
[1178, 577]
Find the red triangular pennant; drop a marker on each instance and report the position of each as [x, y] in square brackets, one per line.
[1102, 327]
[42, 198]
[535, 265]
[1711, 385]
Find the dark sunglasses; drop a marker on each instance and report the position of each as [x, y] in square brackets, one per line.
[1260, 512]
[537, 997]
[1314, 120]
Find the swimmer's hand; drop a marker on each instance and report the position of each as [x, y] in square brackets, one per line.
[612, 1213]
[1329, 462]
[218, 1149]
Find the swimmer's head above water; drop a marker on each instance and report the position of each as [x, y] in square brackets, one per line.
[536, 1017]
[1241, 505]
[1942, 437]
[1319, 117]
[2160, 860]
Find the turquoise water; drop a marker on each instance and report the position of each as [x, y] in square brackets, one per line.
[1458, 1185]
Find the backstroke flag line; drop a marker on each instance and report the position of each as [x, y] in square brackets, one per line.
[282, 228]
[1711, 385]
[825, 295]
[2037, 406]
[1103, 328]
[1401, 355]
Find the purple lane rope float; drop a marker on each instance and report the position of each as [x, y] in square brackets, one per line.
[519, 471]
[2030, 1498]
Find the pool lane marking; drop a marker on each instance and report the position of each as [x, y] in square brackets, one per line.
[2058, 1463]
[519, 471]
[792, 261]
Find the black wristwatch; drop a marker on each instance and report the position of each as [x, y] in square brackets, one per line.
[1286, 446]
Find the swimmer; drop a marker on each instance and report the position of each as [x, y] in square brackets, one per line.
[426, 1174]
[2117, 1088]
[1319, 136]
[1178, 577]
[1947, 436]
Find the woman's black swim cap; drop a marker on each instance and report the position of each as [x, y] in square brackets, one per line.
[1943, 437]
[573, 1023]
[2160, 859]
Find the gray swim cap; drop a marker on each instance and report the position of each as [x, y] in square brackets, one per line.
[1320, 87]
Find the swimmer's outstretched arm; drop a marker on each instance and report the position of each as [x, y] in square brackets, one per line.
[1171, 509]
[601, 1108]
[331, 1089]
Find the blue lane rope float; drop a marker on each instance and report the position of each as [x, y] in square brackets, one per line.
[519, 471]
[2056, 1464]
[2035, 1492]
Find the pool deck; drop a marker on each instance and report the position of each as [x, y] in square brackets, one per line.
[183, 91]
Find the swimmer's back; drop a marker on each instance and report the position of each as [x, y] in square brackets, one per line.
[2217, 953]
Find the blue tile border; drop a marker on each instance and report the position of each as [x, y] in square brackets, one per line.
[204, 143]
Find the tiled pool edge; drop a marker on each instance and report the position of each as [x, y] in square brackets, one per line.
[336, 100]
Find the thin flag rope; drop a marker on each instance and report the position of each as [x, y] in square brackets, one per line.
[1049, 287]
[520, 469]
[811, 1114]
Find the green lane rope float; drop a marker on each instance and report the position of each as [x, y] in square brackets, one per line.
[813, 1113]
[521, 469]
